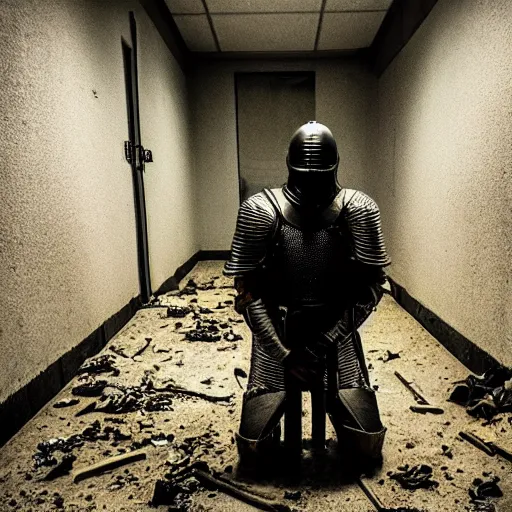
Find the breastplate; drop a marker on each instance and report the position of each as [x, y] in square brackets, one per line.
[310, 265]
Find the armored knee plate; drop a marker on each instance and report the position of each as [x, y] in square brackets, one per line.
[355, 417]
[259, 427]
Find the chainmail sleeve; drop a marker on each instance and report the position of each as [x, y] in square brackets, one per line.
[363, 219]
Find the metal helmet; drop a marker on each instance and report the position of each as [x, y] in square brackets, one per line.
[312, 162]
[312, 148]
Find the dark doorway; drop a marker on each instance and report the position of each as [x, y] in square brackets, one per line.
[135, 155]
[270, 107]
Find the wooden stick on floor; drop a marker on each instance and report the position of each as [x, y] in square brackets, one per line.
[379, 507]
[210, 482]
[108, 464]
[417, 396]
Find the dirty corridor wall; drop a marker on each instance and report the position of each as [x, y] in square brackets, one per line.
[445, 171]
[345, 101]
[68, 257]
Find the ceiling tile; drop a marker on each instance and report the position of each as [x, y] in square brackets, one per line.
[357, 5]
[185, 6]
[349, 30]
[266, 32]
[196, 32]
[244, 6]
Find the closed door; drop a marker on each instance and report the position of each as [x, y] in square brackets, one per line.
[270, 107]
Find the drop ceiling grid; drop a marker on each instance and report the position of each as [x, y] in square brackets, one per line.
[349, 30]
[263, 6]
[278, 25]
[266, 32]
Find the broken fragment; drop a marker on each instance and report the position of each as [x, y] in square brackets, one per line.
[178, 311]
[416, 477]
[66, 402]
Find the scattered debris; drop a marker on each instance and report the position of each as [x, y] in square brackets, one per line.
[118, 350]
[161, 439]
[231, 336]
[390, 356]
[424, 409]
[143, 348]
[416, 477]
[447, 451]
[63, 467]
[87, 409]
[100, 364]
[178, 311]
[417, 396]
[90, 388]
[484, 489]
[486, 395]
[240, 374]
[45, 456]
[205, 330]
[188, 392]
[169, 493]
[66, 402]
[108, 464]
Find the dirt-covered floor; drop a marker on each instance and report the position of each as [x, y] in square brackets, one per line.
[144, 370]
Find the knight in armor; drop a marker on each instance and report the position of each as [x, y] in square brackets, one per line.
[308, 262]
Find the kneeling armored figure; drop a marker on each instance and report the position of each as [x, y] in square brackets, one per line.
[308, 262]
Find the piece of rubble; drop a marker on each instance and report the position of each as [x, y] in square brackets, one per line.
[89, 388]
[416, 477]
[390, 356]
[424, 409]
[486, 395]
[178, 311]
[202, 334]
[66, 402]
[63, 467]
[104, 363]
[484, 489]
[231, 336]
[46, 449]
[447, 451]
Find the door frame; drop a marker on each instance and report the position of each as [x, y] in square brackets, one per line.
[134, 153]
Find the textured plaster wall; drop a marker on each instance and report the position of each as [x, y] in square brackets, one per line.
[68, 255]
[345, 101]
[444, 177]
[169, 181]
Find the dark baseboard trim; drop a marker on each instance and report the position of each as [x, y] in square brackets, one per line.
[172, 283]
[24, 404]
[473, 357]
